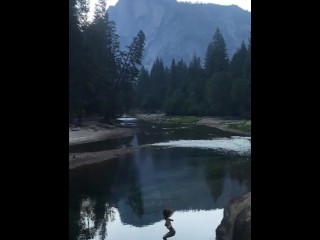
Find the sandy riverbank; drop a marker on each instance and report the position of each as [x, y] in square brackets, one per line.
[93, 131]
[150, 117]
[220, 123]
[80, 159]
[223, 124]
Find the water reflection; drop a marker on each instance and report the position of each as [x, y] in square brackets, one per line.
[188, 224]
[141, 184]
[125, 196]
[89, 201]
[101, 145]
[92, 225]
[87, 219]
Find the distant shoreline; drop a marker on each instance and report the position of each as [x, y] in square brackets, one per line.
[87, 158]
[93, 132]
[224, 124]
[215, 122]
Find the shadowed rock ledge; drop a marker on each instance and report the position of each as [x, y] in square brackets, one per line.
[236, 222]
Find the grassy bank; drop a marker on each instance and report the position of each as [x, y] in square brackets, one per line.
[180, 119]
[244, 126]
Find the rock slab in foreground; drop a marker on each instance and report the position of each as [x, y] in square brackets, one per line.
[236, 222]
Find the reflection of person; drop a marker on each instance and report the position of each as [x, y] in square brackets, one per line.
[167, 213]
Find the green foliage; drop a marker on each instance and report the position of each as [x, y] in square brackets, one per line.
[216, 57]
[101, 76]
[182, 120]
[105, 80]
[238, 61]
[243, 126]
[216, 90]
[173, 103]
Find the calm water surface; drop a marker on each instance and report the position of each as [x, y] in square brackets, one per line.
[194, 170]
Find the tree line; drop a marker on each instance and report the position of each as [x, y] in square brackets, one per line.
[219, 87]
[101, 75]
[107, 81]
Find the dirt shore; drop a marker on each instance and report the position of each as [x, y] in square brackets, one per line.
[94, 131]
[223, 124]
[80, 159]
[220, 123]
[150, 117]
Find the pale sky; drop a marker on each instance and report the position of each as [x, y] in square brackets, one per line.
[245, 4]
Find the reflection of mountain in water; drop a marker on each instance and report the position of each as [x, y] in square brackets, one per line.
[141, 184]
[184, 187]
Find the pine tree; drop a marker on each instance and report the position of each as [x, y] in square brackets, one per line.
[99, 62]
[239, 84]
[173, 75]
[142, 88]
[157, 85]
[130, 60]
[76, 40]
[247, 75]
[218, 89]
[128, 64]
[216, 59]
[195, 88]
[102, 77]
[238, 61]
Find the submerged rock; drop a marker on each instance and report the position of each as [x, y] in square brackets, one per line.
[236, 222]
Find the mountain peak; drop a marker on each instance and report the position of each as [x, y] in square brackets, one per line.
[179, 29]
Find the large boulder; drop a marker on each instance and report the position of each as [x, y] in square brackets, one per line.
[236, 222]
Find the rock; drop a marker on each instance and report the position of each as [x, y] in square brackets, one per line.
[236, 222]
[242, 225]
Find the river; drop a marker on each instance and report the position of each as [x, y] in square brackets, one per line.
[194, 170]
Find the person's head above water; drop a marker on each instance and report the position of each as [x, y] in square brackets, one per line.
[167, 213]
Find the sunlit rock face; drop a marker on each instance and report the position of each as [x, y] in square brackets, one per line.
[179, 30]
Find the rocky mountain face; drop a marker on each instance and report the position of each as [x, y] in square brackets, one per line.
[177, 29]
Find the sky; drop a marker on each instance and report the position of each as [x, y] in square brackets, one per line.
[244, 4]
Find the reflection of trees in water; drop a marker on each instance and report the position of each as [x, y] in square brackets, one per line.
[214, 175]
[128, 182]
[131, 176]
[217, 169]
[104, 214]
[87, 229]
[108, 216]
[240, 169]
[74, 219]
[90, 205]
[92, 219]
[134, 199]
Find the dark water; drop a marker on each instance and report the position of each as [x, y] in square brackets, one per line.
[123, 198]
